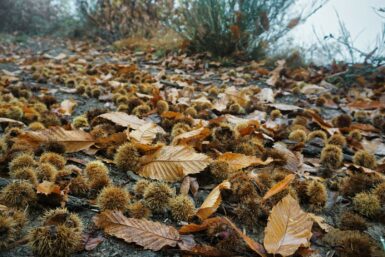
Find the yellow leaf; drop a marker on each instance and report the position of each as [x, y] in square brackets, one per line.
[172, 163]
[151, 235]
[239, 161]
[280, 186]
[212, 201]
[288, 228]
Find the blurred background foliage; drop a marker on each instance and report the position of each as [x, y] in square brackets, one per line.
[248, 29]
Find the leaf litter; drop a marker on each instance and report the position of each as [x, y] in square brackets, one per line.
[192, 160]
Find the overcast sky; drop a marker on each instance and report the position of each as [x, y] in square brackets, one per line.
[358, 15]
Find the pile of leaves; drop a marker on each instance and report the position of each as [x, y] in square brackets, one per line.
[181, 154]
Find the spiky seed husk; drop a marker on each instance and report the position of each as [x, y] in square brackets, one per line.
[57, 160]
[127, 158]
[157, 196]
[331, 157]
[113, 198]
[182, 208]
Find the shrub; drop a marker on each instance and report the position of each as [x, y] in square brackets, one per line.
[227, 26]
[113, 20]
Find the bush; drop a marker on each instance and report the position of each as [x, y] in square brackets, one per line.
[113, 19]
[225, 27]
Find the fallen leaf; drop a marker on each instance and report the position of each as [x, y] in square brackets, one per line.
[285, 107]
[3, 207]
[67, 107]
[191, 137]
[90, 242]
[320, 221]
[280, 186]
[366, 105]
[212, 201]
[6, 120]
[253, 245]
[288, 228]
[172, 163]
[123, 119]
[239, 161]
[73, 140]
[151, 235]
[276, 73]
[193, 228]
[47, 188]
[266, 95]
[146, 133]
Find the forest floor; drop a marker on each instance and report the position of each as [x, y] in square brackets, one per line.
[267, 123]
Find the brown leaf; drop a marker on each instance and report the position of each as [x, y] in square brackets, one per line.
[185, 186]
[3, 207]
[114, 139]
[146, 133]
[255, 246]
[239, 161]
[90, 242]
[151, 235]
[288, 228]
[47, 188]
[276, 73]
[294, 160]
[73, 140]
[191, 137]
[172, 163]
[212, 201]
[193, 228]
[366, 105]
[280, 186]
[123, 119]
[321, 222]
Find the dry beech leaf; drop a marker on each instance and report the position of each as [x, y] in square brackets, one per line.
[212, 201]
[288, 228]
[146, 133]
[366, 105]
[67, 107]
[294, 160]
[321, 222]
[114, 139]
[285, 107]
[255, 246]
[280, 186]
[6, 120]
[123, 119]
[193, 228]
[239, 161]
[3, 207]
[73, 140]
[276, 73]
[172, 163]
[151, 235]
[47, 188]
[90, 242]
[191, 137]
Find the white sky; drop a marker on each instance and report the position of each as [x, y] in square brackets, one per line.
[359, 17]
